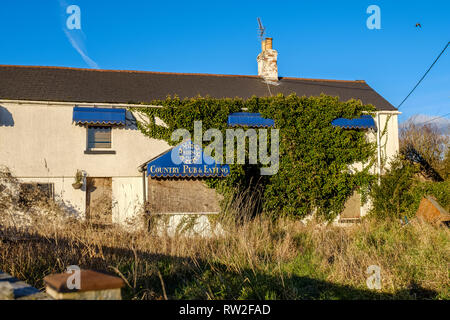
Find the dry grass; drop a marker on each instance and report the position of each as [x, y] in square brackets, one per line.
[256, 258]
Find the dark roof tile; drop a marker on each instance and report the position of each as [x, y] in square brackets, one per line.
[111, 86]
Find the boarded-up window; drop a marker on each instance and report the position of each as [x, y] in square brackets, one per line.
[352, 208]
[46, 189]
[31, 193]
[99, 137]
[172, 195]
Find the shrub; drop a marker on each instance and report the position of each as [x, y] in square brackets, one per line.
[392, 197]
[400, 191]
[439, 190]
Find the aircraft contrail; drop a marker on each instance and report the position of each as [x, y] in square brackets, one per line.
[78, 45]
[76, 38]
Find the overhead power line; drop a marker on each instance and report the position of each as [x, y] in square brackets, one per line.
[440, 54]
[435, 118]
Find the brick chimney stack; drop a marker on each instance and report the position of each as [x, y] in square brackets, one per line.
[267, 61]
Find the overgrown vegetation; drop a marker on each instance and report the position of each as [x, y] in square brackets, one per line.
[256, 259]
[314, 173]
[421, 169]
[400, 191]
[427, 147]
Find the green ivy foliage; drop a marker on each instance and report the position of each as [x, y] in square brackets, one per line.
[400, 191]
[181, 114]
[315, 157]
[392, 197]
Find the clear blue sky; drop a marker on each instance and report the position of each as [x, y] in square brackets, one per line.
[314, 39]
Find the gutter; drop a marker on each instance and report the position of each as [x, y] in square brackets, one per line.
[121, 105]
[86, 104]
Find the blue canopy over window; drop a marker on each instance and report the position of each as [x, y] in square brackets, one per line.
[364, 122]
[186, 160]
[99, 116]
[248, 119]
[6, 118]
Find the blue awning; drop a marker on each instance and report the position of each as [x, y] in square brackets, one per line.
[186, 160]
[6, 118]
[364, 122]
[248, 119]
[99, 115]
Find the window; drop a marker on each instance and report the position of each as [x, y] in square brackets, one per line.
[31, 193]
[99, 137]
[45, 189]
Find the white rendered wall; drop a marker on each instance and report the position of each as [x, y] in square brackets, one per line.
[44, 146]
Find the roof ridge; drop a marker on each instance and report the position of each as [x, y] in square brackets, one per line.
[127, 71]
[329, 80]
[172, 73]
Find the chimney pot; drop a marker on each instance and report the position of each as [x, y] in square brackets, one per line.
[268, 43]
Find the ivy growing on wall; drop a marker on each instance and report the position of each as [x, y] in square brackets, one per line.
[315, 172]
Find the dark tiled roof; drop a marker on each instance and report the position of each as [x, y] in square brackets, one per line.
[109, 86]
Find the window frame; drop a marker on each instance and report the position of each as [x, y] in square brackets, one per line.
[94, 150]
